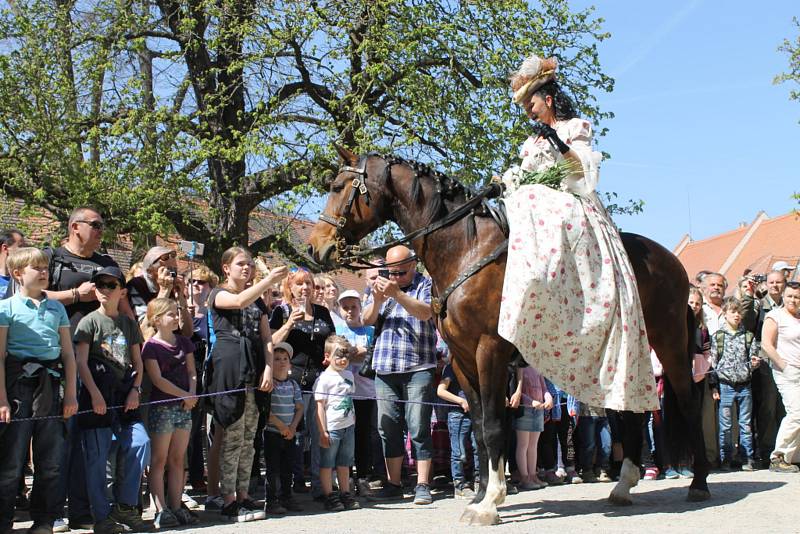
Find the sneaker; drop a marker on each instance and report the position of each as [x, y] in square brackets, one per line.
[333, 503]
[81, 524]
[686, 472]
[603, 476]
[422, 494]
[190, 503]
[185, 517]
[291, 505]
[588, 476]
[40, 528]
[349, 502]
[60, 525]
[234, 512]
[129, 516]
[575, 479]
[214, 504]
[275, 508]
[671, 474]
[109, 526]
[561, 473]
[552, 478]
[651, 473]
[253, 509]
[779, 465]
[463, 491]
[165, 519]
[389, 492]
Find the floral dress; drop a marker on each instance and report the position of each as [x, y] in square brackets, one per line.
[570, 302]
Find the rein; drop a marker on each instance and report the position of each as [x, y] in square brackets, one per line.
[348, 254]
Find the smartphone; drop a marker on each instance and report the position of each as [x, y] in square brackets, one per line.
[383, 273]
[192, 247]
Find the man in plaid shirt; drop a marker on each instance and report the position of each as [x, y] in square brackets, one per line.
[405, 363]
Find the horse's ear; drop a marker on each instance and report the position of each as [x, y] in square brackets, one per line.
[348, 157]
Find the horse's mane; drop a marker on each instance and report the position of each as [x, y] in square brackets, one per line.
[445, 188]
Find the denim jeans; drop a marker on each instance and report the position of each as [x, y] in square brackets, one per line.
[591, 432]
[49, 437]
[416, 386]
[743, 397]
[132, 454]
[459, 425]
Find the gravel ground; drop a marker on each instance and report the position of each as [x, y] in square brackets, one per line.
[741, 502]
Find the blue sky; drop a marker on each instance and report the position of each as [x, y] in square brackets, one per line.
[700, 132]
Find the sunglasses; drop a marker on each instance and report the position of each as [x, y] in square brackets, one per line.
[295, 269]
[96, 225]
[197, 282]
[397, 273]
[168, 256]
[106, 285]
[793, 285]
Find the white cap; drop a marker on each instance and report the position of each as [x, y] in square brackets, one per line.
[780, 265]
[284, 346]
[350, 293]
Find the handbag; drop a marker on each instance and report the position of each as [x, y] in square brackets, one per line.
[366, 370]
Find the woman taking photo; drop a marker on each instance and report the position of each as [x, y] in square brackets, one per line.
[243, 340]
[305, 326]
[587, 331]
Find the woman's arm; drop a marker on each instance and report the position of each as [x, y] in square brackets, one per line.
[266, 346]
[225, 300]
[769, 340]
[70, 407]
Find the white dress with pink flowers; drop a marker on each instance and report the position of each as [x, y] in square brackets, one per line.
[570, 302]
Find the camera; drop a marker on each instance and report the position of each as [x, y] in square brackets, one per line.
[383, 273]
[758, 278]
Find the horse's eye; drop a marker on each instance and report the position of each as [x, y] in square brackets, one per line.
[337, 188]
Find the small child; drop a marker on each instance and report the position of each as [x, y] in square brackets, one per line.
[532, 396]
[336, 421]
[286, 412]
[735, 354]
[35, 354]
[459, 426]
[170, 364]
[107, 346]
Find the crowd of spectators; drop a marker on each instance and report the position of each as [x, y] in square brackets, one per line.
[266, 380]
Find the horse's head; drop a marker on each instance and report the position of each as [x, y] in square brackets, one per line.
[356, 206]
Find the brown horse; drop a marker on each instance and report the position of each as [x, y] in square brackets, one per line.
[391, 189]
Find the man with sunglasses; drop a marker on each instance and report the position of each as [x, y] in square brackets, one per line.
[405, 362]
[160, 279]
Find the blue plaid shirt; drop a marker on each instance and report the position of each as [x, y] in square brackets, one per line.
[405, 341]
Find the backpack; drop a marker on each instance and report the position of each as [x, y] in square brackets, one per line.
[719, 337]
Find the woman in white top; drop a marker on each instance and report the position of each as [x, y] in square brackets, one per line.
[570, 302]
[780, 339]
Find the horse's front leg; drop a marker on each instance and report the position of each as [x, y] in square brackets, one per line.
[493, 379]
[632, 450]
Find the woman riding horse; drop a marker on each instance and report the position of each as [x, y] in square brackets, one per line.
[570, 302]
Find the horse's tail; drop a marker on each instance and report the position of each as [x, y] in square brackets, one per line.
[677, 423]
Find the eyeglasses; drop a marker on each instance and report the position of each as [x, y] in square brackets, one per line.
[106, 285]
[397, 273]
[96, 225]
[168, 256]
[295, 269]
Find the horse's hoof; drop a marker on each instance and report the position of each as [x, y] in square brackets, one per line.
[485, 519]
[698, 495]
[620, 499]
[467, 516]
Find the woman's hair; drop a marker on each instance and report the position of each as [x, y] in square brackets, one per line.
[156, 308]
[700, 315]
[324, 279]
[563, 107]
[201, 272]
[731, 303]
[135, 270]
[22, 257]
[294, 275]
[229, 255]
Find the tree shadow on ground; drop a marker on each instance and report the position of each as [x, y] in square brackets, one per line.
[663, 501]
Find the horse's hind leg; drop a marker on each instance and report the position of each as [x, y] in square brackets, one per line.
[632, 449]
[491, 357]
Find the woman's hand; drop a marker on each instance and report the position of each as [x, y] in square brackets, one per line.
[515, 400]
[189, 403]
[546, 131]
[132, 400]
[99, 404]
[266, 380]
[464, 405]
[5, 411]
[297, 315]
[536, 405]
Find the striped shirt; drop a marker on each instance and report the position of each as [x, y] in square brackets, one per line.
[284, 397]
[406, 344]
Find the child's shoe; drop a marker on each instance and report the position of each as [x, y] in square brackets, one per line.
[575, 478]
[651, 473]
[333, 503]
[349, 502]
[253, 509]
[749, 465]
[552, 478]
[291, 505]
[686, 471]
[603, 476]
[671, 474]
[234, 512]
[129, 516]
[164, 519]
[275, 508]
[214, 504]
[588, 476]
[185, 517]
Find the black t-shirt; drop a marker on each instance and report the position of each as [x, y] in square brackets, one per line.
[307, 339]
[139, 296]
[69, 271]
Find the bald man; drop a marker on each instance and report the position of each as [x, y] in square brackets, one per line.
[405, 362]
